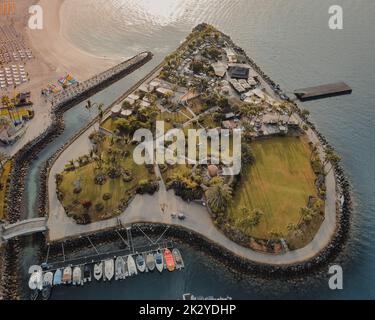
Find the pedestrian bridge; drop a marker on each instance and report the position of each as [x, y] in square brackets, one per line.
[22, 228]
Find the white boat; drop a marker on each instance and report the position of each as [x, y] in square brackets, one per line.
[178, 259]
[150, 262]
[48, 279]
[109, 269]
[67, 275]
[57, 277]
[141, 263]
[98, 271]
[77, 276]
[120, 269]
[159, 261]
[132, 269]
[36, 280]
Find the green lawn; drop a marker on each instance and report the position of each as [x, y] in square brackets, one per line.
[279, 184]
[119, 189]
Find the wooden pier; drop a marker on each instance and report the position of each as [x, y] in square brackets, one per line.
[324, 91]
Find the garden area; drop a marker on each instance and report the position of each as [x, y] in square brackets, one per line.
[100, 186]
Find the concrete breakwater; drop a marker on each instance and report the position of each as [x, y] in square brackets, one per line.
[22, 160]
[81, 91]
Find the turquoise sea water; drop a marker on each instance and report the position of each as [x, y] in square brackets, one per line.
[292, 43]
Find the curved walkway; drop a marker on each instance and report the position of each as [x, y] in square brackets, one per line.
[147, 209]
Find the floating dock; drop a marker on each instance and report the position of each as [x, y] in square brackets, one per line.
[324, 91]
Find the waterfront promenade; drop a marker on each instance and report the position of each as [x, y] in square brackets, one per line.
[147, 209]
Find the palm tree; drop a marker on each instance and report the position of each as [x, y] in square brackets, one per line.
[218, 197]
[89, 105]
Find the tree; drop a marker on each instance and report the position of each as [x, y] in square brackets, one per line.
[100, 107]
[307, 214]
[218, 197]
[331, 157]
[305, 114]
[3, 158]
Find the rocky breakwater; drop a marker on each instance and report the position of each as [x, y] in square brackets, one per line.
[22, 162]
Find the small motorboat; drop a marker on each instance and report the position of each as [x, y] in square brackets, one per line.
[36, 281]
[150, 262]
[36, 278]
[171, 266]
[87, 274]
[109, 269]
[126, 266]
[159, 261]
[141, 264]
[98, 271]
[67, 275]
[132, 269]
[77, 276]
[48, 279]
[178, 259]
[120, 269]
[57, 277]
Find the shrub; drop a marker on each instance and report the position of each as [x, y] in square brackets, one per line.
[107, 196]
[99, 207]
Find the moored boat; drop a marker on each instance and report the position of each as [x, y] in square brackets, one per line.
[77, 276]
[178, 259]
[141, 264]
[120, 268]
[159, 261]
[57, 277]
[36, 278]
[169, 260]
[109, 269]
[87, 273]
[98, 271]
[150, 262]
[47, 285]
[67, 275]
[36, 281]
[132, 268]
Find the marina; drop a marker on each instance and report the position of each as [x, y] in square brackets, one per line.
[116, 265]
[324, 91]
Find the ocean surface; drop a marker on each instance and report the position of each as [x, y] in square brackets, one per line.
[291, 41]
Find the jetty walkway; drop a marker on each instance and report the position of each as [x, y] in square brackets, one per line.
[80, 91]
[22, 228]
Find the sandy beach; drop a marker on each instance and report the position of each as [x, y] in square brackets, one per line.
[54, 56]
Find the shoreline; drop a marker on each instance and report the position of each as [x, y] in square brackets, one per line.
[54, 56]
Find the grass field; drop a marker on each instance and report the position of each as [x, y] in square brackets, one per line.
[279, 184]
[172, 118]
[119, 190]
[3, 180]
